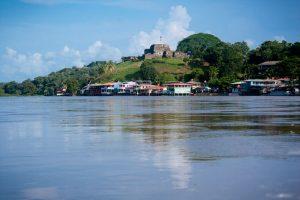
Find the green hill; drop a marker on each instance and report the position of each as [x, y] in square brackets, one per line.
[96, 72]
[129, 70]
[123, 71]
[212, 60]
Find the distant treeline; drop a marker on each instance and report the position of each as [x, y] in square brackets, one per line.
[216, 62]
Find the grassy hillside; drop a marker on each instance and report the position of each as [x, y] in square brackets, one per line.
[128, 70]
[125, 71]
[169, 65]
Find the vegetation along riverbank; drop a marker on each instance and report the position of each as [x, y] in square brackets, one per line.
[202, 63]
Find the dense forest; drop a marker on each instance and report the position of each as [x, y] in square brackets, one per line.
[211, 60]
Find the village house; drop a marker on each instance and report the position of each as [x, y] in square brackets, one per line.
[194, 84]
[263, 67]
[179, 88]
[61, 91]
[107, 88]
[196, 87]
[260, 86]
[135, 88]
[91, 89]
[149, 89]
[125, 87]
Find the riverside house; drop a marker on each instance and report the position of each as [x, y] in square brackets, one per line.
[125, 87]
[149, 89]
[91, 89]
[260, 86]
[107, 88]
[97, 89]
[179, 88]
[135, 88]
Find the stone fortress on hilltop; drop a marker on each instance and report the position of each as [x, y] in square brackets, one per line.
[162, 51]
[157, 51]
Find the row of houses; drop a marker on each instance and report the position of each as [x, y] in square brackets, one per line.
[140, 88]
[272, 87]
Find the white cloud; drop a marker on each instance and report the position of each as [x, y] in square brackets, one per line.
[15, 65]
[14, 62]
[250, 43]
[100, 51]
[279, 38]
[172, 30]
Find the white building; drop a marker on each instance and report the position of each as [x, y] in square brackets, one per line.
[179, 88]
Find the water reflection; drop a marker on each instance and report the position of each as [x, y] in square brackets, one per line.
[41, 193]
[120, 147]
[173, 126]
[173, 159]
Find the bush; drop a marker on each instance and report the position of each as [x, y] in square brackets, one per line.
[148, 72]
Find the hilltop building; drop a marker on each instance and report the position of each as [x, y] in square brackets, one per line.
[157, 51]
[267, 65]
[162, 51]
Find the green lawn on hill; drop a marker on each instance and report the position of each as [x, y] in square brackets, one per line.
[173, 66]
[126, 71]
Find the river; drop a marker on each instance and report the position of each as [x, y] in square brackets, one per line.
[150, 147]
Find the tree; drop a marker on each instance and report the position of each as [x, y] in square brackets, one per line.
[109, 67]
[197, 74]
[269, 50]
[12, 88]
[294, 50]
[197, 43]
[186, 61]
[232, 61]
[213, 72]
[290, 67]
[195, 62]
[2, 92]
[72, 86]
[223, 83]
[39, 83]
[243, 48]
[28, 88]
[148, 72]
[214, 54]
[49, 91]
[165, 78]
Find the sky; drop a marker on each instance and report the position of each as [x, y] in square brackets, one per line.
[41, 36]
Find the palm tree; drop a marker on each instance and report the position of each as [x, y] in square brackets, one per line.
[109, 67]
[186, 61]
[213, 72]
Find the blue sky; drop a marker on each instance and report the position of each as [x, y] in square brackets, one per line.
[41, 36]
